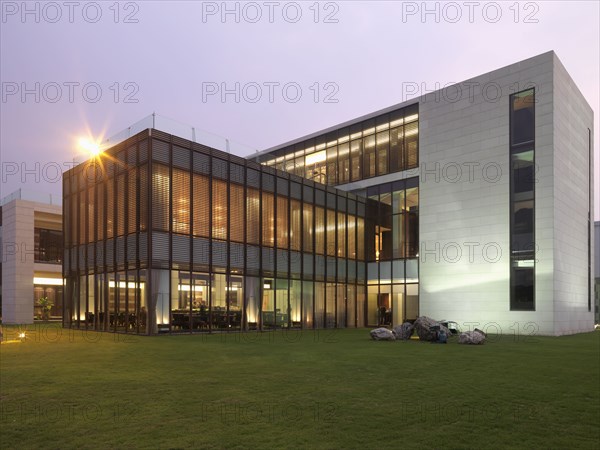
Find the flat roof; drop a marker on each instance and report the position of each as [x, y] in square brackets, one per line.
[32, 196]
[348, 123]
[224, 144]
[384, 110]
[179, 129]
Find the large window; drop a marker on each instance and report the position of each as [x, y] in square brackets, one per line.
[295, 225]
[344, 162]
[331, 246]
[341, 235]
[522, 198]
[308, 230]
[53, 292]
[393, 220]
[48, 246]
[356, 159]
[360, 232]
[374, 147]
[319, 230]
[315, 166]
[369, 156]
[200, 284]
[352, 237]
[332, 172]
[383, 143]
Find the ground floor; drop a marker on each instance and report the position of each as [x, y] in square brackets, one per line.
[51, 288]
[150, 301]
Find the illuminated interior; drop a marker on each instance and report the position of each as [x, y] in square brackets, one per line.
[177, 238]
[386, 144]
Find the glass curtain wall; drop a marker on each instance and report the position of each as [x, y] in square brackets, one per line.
[173, 239]
[392, 245]
[385, 144]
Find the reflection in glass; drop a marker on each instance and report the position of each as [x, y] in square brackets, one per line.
[295, 318]
[319, 304]
[307, 303]
[523, 117]
[330, 294]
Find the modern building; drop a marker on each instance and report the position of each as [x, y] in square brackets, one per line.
[32, 249]
[472, 203]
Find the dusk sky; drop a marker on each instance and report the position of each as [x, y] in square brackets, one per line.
[88, 68]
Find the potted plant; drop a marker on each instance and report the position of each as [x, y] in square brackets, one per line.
[45, 305]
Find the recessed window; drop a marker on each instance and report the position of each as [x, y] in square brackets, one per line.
[522, 197]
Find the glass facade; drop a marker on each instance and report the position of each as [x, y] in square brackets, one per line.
[170, 235]
[385, 144]
[392, 220]
[522, 199]
[369, 149]
[173, 236]
[48, 245]
[53, 292]
[392, 245]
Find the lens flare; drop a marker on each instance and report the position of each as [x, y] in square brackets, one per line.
[92, 148]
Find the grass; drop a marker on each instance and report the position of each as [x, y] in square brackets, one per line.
[326, 389]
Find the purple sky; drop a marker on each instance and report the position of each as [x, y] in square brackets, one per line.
[171, 51]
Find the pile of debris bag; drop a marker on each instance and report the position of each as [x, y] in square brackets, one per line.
[382, 334]
[404, 331]
[426, 328]
[430, 330]
[472, 337]
[400, 332]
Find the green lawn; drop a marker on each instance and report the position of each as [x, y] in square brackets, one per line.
[327, 389]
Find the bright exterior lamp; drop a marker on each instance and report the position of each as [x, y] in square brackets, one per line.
[90, 147]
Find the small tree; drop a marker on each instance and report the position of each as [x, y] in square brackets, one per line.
[46, 305]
